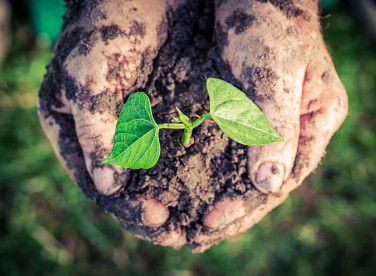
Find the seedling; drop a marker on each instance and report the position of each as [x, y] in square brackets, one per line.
[136, 141]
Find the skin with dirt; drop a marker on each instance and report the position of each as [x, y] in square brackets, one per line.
[189, 181]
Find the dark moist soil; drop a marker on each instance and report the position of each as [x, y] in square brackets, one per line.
[187, 180]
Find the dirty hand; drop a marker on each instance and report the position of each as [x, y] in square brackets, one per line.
[109, 49]
[276, 50]
[102, 47]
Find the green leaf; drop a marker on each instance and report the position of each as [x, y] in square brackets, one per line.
[136, 141]
[238, 116]
[182, 118]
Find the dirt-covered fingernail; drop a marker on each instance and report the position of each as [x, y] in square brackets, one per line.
[104, 181]
[269, 178]
[153, 213]
[224, 212]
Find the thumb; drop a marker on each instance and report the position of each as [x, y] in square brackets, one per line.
[272, 76]
[269, 165]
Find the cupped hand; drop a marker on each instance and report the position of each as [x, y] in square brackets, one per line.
[276, 50]
[109, 49]
[102, 48]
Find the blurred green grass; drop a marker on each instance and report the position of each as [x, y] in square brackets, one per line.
[327, 227]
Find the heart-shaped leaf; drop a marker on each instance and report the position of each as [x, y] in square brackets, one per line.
[136, 141]
[238, 116]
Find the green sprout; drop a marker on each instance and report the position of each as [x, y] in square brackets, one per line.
[136, 141]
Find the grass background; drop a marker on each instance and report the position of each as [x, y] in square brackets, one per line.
[327, 227]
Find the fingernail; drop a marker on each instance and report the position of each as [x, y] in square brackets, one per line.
[104, 181]
[153, 213]
[269, 178]
[224, 212]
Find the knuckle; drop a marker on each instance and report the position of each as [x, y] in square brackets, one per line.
[339, 104]
[343, 104]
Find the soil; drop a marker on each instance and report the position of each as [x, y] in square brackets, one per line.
[187, 180]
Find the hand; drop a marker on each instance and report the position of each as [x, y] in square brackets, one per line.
[109, 50]
[278, 53]
[97, 62]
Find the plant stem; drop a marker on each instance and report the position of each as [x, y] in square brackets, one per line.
[186, 136]
[188, 130]
[172, 126]
[200, 120]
